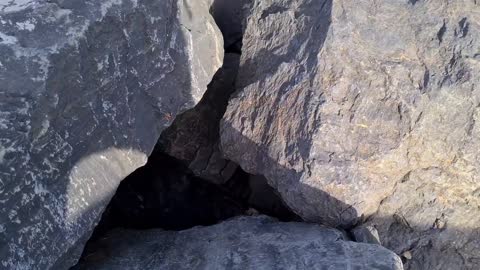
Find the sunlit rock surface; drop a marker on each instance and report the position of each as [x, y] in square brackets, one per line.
[86, 87]
[241, 243]
[367, 109]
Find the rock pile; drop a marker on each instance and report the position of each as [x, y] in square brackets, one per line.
[361, 115]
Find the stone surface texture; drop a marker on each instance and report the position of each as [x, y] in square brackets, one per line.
[194, 137]
[241, 243]
[86, 87]
[366, 234]
[367, 110]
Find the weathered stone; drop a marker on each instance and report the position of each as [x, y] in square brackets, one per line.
[86, 87]
[433, 216]
[194, 136]
[165, 194]
[240, 243]
[366, 234]
[356, 109]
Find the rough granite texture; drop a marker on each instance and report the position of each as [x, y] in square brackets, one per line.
[241, 243]
[367, 109]
[86, 87]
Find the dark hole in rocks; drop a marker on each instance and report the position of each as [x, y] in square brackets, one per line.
[230, 19]
[165, 194]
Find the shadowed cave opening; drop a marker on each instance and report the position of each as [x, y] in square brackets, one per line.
[166, 194]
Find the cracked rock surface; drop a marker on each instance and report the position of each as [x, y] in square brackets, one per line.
[86, 87]
[194, 136]
[367, 111]
[241, 243]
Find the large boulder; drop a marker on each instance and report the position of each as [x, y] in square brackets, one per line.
[356, 109]
[240, 243]
[86, 87]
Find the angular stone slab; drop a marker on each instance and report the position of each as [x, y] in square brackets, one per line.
[367, 109]
[241, 243]
[86, 87]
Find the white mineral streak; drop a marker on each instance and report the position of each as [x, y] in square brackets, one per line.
[9, 6]
[70, 134]
[108, 167]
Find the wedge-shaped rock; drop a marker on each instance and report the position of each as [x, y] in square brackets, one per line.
[86, 87]
[240, 243]
[343, 103]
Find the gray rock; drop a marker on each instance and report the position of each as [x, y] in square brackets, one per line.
[366, 234]
[433, 218]
[240, 243]
[86, 87]
[194, 137]
[356, 109]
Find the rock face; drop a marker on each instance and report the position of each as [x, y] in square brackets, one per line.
[194, 136]
[356, 109]
[86, 87]
[241, 243]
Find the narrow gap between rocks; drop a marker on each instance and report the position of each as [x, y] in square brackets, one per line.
[166, 193]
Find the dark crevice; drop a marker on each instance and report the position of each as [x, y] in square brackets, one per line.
[166, 193]
[441, 32]
[235, 47]
[230, 18]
